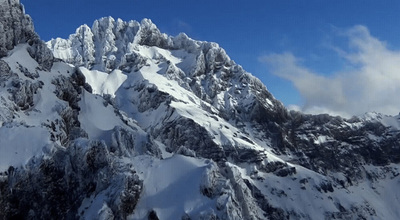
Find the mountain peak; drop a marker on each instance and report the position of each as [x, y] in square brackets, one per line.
[110, 38]
[203, 68]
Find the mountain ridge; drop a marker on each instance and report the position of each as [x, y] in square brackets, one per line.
[122, 118]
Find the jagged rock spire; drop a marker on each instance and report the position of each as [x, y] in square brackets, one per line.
[15, 25]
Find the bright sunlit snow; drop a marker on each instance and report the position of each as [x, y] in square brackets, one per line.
[171, 187]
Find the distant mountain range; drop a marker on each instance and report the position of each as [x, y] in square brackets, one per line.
[121, 121]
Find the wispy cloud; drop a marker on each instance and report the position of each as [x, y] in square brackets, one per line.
[373, 84]
[178, 26]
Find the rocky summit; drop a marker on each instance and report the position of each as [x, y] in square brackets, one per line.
[121, 121]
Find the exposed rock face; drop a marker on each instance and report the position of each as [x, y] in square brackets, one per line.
[65, 178]
[17, 28]
[42, 55]
[185, 122]
[15, 25]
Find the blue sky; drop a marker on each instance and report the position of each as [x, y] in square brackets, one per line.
[315, 33]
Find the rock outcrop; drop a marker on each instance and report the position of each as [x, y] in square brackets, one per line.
[15, 25]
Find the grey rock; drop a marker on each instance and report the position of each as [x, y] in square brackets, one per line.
[22, 92]
[5, 71]
[56, 187]
[15, 25]
[42, 54]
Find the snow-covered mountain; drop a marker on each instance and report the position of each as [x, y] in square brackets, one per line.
[121, 121]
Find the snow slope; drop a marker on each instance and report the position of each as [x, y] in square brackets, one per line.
[103, 83]
[19, 144]
[172, 187]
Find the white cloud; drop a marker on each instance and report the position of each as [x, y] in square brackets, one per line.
[373, 84]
